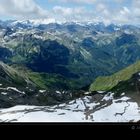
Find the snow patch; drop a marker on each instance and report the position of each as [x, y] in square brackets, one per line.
[58, 92]
[79, 110]
[108, 97]
[15, 89]
[122, 94]
[87, 93]
[108, 114]
[101, 92]
[3, 93]
[42, 91]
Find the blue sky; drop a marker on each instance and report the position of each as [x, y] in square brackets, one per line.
[108, 11]
[112, 3]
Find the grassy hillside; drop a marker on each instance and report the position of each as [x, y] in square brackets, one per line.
[108, 82]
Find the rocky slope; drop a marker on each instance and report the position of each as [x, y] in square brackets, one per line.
[126, 81]
[97, 108]
[18, 88]
[106, 83]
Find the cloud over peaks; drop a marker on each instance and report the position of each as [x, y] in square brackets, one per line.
[21, 9]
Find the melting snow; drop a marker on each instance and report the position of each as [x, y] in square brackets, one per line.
[42, 91]
[58, 92]
[122, 94]
[15, 89]
[79, 110]
[100, 92]
[86, 93]
[108, 96]
[108, 114]
[3, 93]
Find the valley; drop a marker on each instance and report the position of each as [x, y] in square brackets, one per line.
[84, 69]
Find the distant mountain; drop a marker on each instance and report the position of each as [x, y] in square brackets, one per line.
[63, 57]
[76, 52]
[86, 69]
[100, 26]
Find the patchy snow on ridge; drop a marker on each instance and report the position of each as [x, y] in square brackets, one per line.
[116, 113]
[123, 94]
[43, 21]
[42, 91]
[108, 96]
[101, 92]
[15, 89]
[85, 109]
[3, 93]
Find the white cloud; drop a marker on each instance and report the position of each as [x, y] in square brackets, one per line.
[75, 1]
[125, 11]
[119, 1]
[62, 10]
[136, 8]
[65, 11]
[21, 9]
[101, 10]
[69, 14]
[100, 7]
[123, 16]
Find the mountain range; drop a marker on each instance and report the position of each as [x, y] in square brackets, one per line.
[50, 63]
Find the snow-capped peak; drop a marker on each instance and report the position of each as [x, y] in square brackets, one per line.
[35, 22]
[42, 21]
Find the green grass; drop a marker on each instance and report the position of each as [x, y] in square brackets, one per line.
[48, 81]
[51, 81]
[106, 83]
[37, 79]
[54, 81]
[18, 58]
